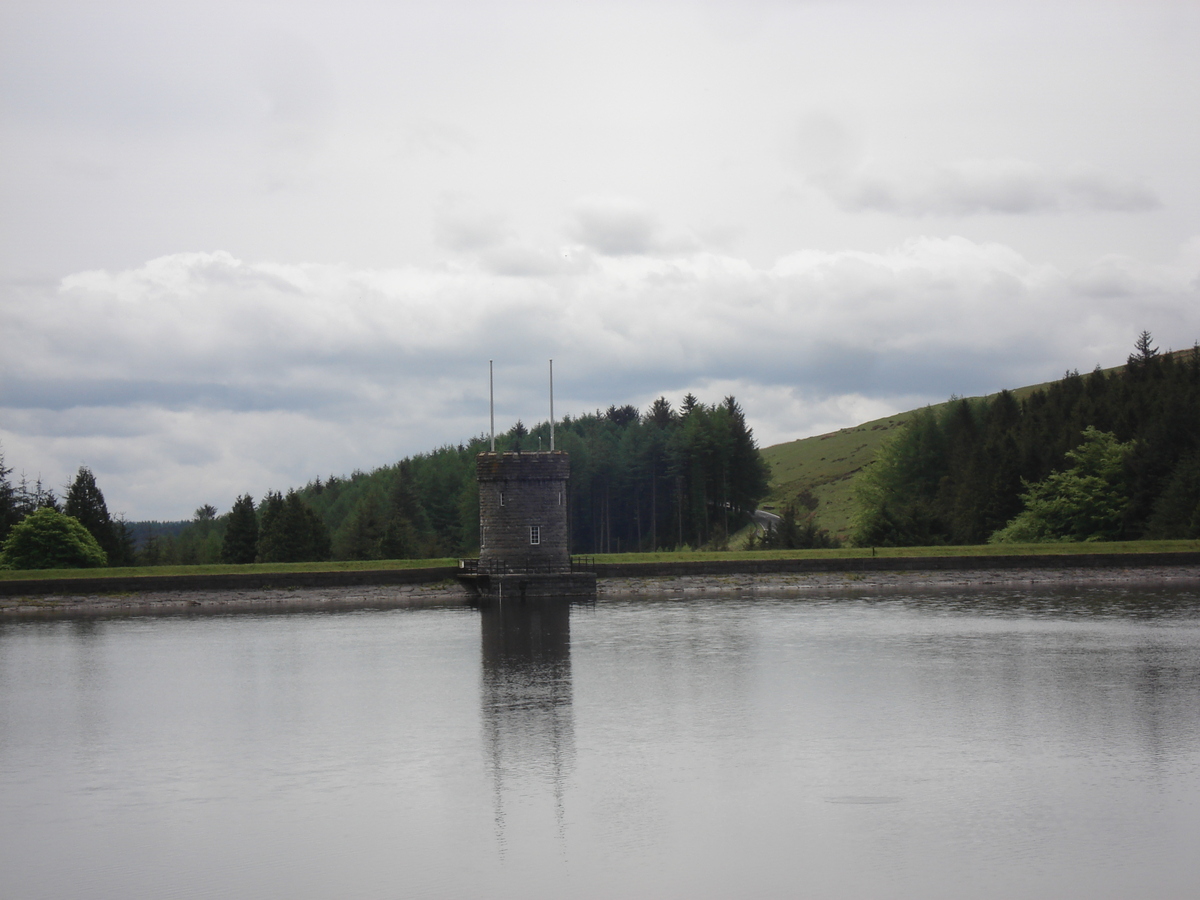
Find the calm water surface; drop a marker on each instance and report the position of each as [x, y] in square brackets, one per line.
[991, 744]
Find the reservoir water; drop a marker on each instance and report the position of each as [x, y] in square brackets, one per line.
[940, 745]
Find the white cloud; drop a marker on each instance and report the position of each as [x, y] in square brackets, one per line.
[212, 375]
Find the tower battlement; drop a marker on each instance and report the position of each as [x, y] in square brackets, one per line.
[533, 466]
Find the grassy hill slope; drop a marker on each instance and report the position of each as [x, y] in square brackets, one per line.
[823, 467]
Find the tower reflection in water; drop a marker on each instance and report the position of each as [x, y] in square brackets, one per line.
[526, 699]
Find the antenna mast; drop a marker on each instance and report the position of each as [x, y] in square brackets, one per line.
[492, 403]
[551, 406]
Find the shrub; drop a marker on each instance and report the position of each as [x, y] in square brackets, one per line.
[48, 539]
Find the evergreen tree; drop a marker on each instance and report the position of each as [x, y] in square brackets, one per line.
[150, 553]
[31, 499]
[406, 524]
[1144, 350]
[361, 534]
[516, 436]
[1177, 510]
[793, 533]
[291, 531]
[9, 512]
[240, 543]
[84, 502]
[124, 545]
[661, 413]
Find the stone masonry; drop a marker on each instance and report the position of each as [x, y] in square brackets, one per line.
[523, 510]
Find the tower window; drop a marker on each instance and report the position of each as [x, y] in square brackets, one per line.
[535, 534]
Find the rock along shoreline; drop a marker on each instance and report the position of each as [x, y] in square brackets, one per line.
[447, 592]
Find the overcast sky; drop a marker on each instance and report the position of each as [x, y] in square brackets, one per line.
[247, 244]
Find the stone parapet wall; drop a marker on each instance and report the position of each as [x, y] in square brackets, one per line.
[519, 588]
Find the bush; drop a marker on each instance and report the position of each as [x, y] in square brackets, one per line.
[1084, 503]
[47, 539]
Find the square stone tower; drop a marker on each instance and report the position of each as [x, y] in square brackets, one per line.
[523, 511]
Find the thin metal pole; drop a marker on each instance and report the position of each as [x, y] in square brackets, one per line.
[551, 406]
[492, 403]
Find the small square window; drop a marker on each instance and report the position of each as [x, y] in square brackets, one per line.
[535, 534]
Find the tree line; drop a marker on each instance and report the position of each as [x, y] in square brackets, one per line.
[1103, 456]
[38, 530]
[665, 478]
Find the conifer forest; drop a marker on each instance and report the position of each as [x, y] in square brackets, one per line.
[665, 478]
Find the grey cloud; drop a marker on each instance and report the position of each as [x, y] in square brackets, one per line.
[470, 230]
[615, 227]
[622, 227]
[1089, 188]
[987, 186]
[487, 237]
[520, 261]
[328, 367]
[62, 395]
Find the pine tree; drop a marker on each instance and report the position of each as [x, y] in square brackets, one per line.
[660, 412]
[291, 531]
[85, 503]
[31, 499]
[9, 513]
[240, 544]
[1144, 349]
[361, 534]
[124, 546]
[406, 523]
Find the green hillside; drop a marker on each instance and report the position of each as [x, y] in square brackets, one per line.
[823, 467]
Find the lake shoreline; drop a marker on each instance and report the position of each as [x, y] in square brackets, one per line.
[450, 593]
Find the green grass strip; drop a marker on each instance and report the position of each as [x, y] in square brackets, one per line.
[372, 565]
[1132, 548]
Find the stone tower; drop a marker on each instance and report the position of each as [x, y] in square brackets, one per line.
[523, 511]
[524, 545]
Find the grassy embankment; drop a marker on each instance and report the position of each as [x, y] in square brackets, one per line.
[373, 565]
[1133, 548]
